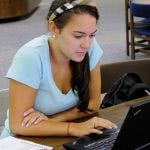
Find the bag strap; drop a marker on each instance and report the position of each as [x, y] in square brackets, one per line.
[137, 89]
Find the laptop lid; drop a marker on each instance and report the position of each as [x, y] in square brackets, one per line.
[133, 135]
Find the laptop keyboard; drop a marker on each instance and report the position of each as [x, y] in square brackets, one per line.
[105, 144]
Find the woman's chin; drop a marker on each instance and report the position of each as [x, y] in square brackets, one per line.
[79, 59]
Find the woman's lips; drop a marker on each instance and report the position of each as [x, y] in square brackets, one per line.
[81, 53]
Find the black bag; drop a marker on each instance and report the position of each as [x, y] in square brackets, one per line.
[128, 87]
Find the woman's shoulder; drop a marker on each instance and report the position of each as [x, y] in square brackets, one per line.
[95, 46]
[37, 42]
[36, 46]
[95, 53]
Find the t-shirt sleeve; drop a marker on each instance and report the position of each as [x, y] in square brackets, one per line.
[26, 67]
[95, 53]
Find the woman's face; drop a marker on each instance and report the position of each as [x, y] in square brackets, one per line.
[74, 40]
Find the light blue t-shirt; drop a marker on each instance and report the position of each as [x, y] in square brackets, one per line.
[31, 66]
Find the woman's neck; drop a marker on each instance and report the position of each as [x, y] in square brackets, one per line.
[55, 54]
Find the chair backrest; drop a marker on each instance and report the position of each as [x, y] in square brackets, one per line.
[111, 72]
[127, 25]
[140, 9]
[3, 106]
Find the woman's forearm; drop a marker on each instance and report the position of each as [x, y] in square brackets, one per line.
[44, 128]
[54, 128]
[70, 115]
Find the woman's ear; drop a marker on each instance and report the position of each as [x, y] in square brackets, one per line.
[53, 28]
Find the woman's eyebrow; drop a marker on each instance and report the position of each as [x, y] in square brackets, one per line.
[84, 32]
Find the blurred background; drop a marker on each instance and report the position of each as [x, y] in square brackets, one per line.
[111, 34]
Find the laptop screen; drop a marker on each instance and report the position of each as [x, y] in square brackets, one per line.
[135, 131]
[133, 135]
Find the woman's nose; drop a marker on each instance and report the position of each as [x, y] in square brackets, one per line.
[86, 43]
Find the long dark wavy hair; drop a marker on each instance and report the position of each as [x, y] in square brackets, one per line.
[80, 70]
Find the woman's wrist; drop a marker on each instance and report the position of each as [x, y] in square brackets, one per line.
[71, 129]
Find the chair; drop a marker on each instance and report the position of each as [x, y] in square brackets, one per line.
[111, 72]
[128, 26]
[140, 27]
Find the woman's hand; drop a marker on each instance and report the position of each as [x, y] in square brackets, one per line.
[31, 116]
[93, 125]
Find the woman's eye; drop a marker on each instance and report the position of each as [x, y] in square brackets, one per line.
[78, 36]
[93, 35]
[81, 36]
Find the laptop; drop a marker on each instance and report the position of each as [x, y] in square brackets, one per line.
[133, 134]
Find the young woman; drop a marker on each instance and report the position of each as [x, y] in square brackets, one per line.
[55, 78]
